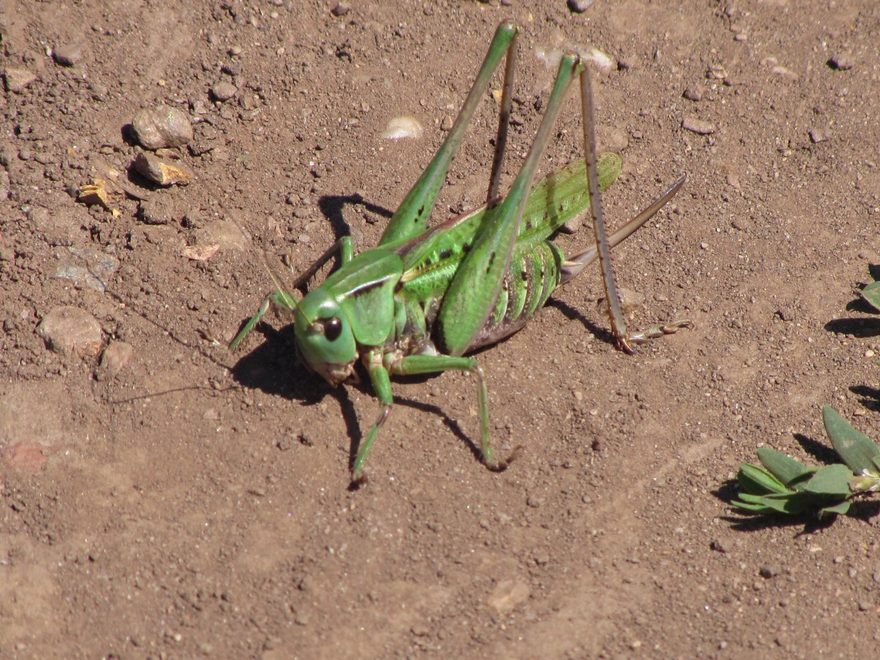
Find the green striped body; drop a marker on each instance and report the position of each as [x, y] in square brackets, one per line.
[432, 260]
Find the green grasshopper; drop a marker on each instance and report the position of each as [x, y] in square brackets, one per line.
[423, 298]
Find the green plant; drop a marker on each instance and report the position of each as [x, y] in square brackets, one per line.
[783, 485]
[871, 294]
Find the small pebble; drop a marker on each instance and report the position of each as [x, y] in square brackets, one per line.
[718, 546]
[99, 91]
[17, 80]
[780, 70]
[160, 171]
[403, 127]
[5, 185]
[507, 595]
[579, 6]
[340, 9]
[113, 359]
[694, 93]
[223, 91]
[716, 72]
[162, 126]
[841, 62]
[226, 233]
[610, 138]
[818, 135]
[600, 60]
[67, 54]
[89, 267]
[71, 330]
[698, 126]
[154, 212]
[571, 226]
[768, 572]
[200, 252]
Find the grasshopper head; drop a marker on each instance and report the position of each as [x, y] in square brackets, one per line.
[324, 337]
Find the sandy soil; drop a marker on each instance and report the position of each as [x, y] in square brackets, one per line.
[185, 501]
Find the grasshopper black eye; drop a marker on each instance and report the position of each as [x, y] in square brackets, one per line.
[332, 328]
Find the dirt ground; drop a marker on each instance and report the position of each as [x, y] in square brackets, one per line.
[165, 497]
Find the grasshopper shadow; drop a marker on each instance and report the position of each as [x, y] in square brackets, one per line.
[332, 207]
[357, 431]
[453, 425]
[272, 367]
[572, 314]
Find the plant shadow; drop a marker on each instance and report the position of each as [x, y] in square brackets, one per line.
[870, 396]
[855, 327]
[818, 450]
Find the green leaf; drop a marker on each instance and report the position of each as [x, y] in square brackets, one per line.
[871, 295]
[856, 449]
[751, 498]
[766, 505]
[751, 508]
[840, 508]
[783, 467]
[790, 503]
[755, 479]
[830, 481]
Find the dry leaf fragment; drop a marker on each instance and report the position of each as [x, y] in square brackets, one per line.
[94, 193]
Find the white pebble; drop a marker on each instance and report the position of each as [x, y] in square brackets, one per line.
[403, 127]
[600, 60]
